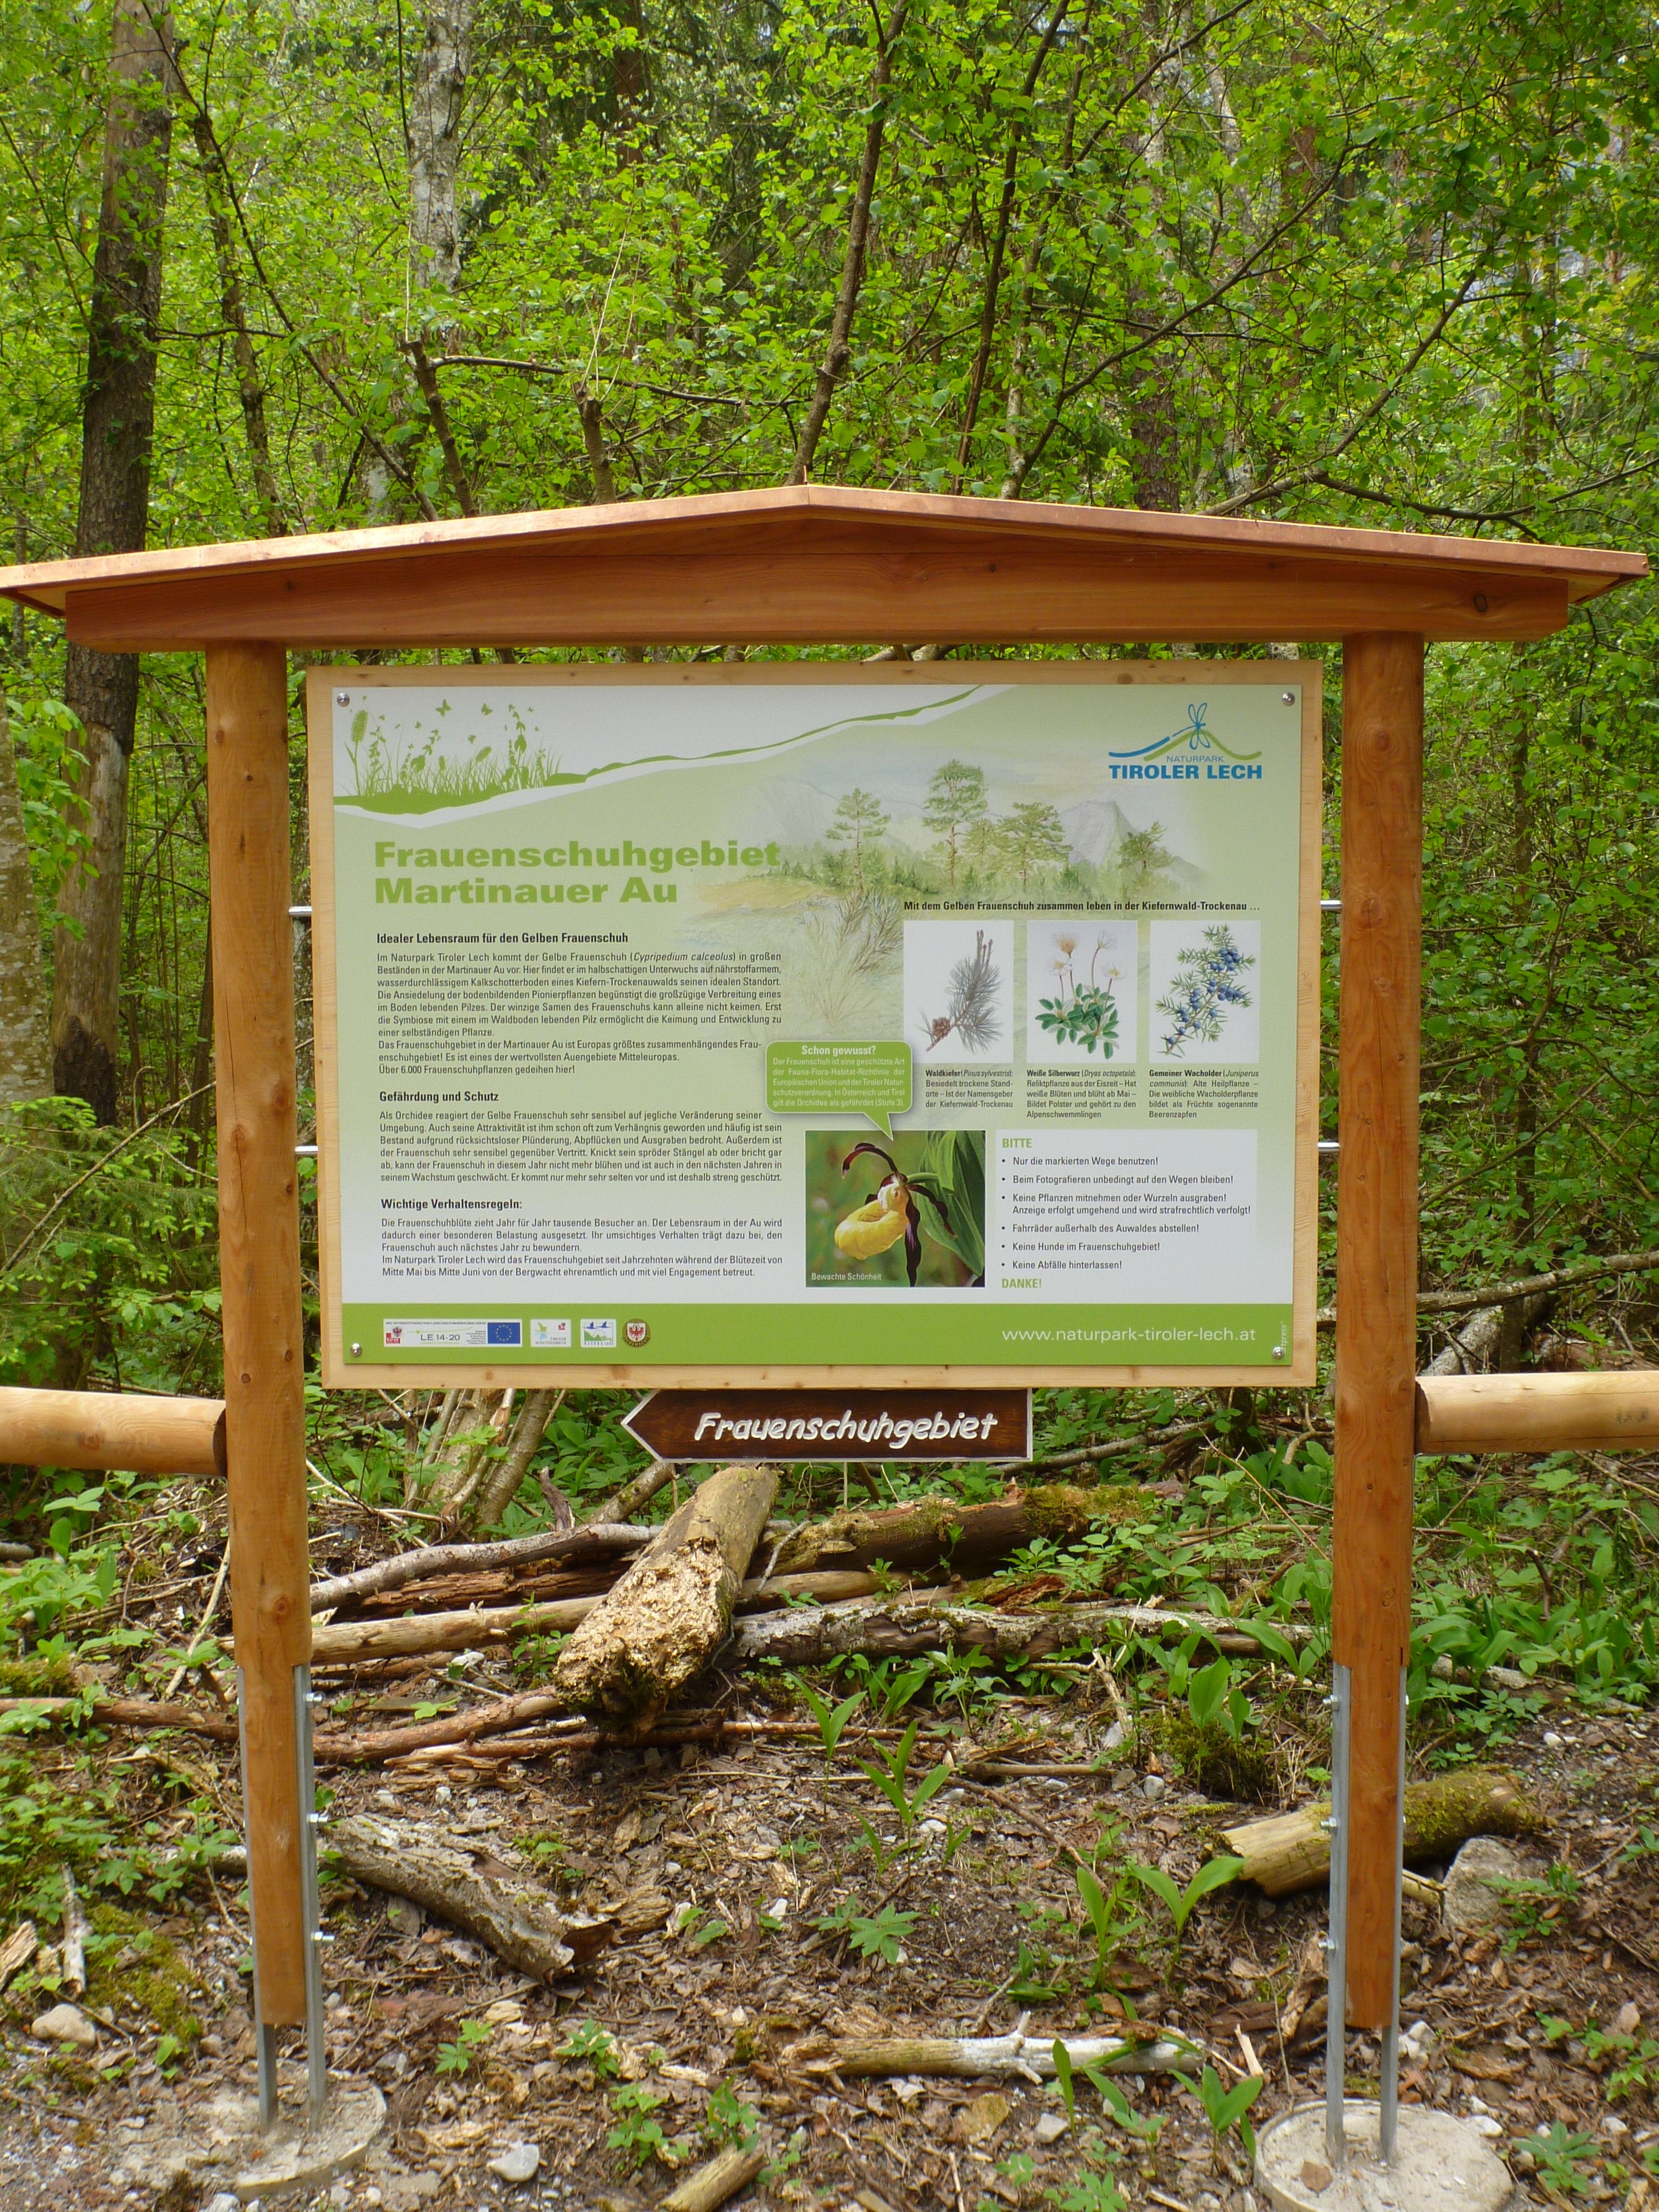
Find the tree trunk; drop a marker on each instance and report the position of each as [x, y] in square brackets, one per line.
[632, 1495]
[215, 186]
[117, 424]
[500, 1487]
[971, 1538]
[1292, 1851]
[669, 1613]
[838, 350]
[434, 141]
[25, 1046]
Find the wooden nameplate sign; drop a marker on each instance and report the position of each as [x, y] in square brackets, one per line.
[834, 1425]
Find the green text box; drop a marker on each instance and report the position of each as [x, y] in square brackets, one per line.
[871, 1079]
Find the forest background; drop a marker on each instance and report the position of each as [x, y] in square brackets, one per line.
[277, 266]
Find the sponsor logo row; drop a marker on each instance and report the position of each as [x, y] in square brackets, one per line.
[593, 1333]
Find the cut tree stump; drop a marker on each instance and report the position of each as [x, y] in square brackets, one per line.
[669, 1615]
[971, 1538]
[1291, 1850]
[463, 1883]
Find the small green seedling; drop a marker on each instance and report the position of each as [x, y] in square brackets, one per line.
[693, 1924]
[1634, 2066]
[1090, 2193]
[729, 2120]
[587, 2040]
[831, 1720]
[892, 1776]
[1564, 2159]
[637, 2134]
[1113, 1925]
[1226, 2109]
[1179, 1903]
[1066, 2073]
[1214, 1701]
[873, 1936]
[459, 2056]
[1535, 1902]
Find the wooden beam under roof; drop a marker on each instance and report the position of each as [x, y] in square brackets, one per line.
[818, 564]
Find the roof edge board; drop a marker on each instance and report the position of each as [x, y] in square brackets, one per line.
[561, 532]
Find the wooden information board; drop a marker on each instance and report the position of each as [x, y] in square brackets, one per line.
[817, 1023]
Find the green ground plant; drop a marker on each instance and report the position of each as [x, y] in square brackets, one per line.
[1226, 2109]
[467, 2049]
[636, 2135]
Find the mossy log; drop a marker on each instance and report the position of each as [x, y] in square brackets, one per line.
[668, 1616]
[1291, 1850]
[462, 1881]
[970, 1538]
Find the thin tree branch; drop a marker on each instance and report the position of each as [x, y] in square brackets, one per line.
[1370, 414]
[838, 351]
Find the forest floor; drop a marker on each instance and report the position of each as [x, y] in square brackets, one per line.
[690, 2035]
[769, 1898]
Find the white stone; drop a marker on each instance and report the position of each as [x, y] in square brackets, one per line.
[1050, 2127]
[1473, 1898]
[1487, 2126]
[519, 2161]
[65, 2023]
[1627, 2020]
[1154, 1786]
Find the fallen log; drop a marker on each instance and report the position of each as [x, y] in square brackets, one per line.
[335, 1749]
[129, 1712]
[924, 1621]
[1027, 2057]
[971, 1538]
[469, 1885]
[669, 1614]
[475, 1628]
[1119, 1448]
[335, 1643]
[726, 2172]
[598, 1540]
[1292, 1851]
[538, 1583]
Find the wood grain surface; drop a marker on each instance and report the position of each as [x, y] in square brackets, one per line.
[1377, 1272]
[259, 1275]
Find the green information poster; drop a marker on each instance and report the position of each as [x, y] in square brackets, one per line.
[763, 1024]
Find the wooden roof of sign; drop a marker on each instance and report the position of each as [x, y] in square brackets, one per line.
[810, 563]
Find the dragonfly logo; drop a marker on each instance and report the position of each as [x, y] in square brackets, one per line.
[1192, 751]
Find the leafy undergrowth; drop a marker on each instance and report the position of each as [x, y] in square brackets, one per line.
[861, 1875]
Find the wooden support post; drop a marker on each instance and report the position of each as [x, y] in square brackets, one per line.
[1377, 1272]
[247, 779]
